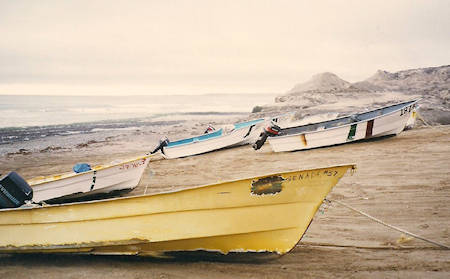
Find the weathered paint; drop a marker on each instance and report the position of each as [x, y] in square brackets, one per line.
[303, 138]
[190, 219]
[369, 129]
[267, 185]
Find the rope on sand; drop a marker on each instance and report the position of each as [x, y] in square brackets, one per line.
[419, 116]
[151, 173]
[386, 247]
[155, 156]
[389, 226]
[423, 120]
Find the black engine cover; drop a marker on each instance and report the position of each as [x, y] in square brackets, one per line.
[14, 191]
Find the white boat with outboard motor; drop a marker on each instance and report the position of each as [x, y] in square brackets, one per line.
[239, 134]
[122, 175]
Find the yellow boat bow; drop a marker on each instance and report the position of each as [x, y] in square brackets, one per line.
[262, 214]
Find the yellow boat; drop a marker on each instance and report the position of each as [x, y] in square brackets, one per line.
[262, 214]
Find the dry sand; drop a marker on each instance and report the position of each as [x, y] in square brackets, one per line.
[403, 180]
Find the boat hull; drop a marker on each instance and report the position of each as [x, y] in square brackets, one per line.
[121, 176]
[383, 125]
[235, 138]
[263, 214]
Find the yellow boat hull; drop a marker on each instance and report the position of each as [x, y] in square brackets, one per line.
[262, 214]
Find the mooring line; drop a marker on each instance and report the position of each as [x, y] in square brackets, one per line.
[388, 225]
[386, 247]
[434, 127]
[151, 173]
[423, 120]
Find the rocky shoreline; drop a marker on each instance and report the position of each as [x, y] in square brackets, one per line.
[327, 93]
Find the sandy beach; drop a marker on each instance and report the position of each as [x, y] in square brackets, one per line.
[106, 83]
[402, 180]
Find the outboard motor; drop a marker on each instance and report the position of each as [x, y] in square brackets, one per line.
[14, 191]
[162, 142]
[270, 131]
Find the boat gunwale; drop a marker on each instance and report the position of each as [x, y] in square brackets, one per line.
[231, 133]
[74, 174]
[249, 123]
[197, 139]
[351, 166]
[345, 125]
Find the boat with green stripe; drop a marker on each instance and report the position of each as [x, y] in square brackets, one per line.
[388, 120]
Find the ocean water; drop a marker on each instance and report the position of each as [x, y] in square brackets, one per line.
[25, 111]
[28, 118]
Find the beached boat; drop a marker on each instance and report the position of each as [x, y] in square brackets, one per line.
[123, 175]
[389, 120]
[241, 133]
[261, 214]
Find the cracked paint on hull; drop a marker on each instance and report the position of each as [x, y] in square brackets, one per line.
[267, 185]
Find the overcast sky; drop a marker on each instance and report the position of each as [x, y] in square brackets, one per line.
[191, 47]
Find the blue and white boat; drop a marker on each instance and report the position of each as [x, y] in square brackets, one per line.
[240, 134]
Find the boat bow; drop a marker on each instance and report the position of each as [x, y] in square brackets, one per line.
[269, 213]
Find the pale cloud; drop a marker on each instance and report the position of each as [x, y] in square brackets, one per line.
[152, 47]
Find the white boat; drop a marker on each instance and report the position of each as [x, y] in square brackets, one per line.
[240, 134]
[124, 175]
[390, 120]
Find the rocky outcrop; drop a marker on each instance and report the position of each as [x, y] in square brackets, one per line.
[324, 82]
[326, 91]
[320, 89]
[366, 86]
[432, 84]
[432, 80]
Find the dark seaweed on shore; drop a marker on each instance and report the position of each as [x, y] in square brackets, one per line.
[19, 134]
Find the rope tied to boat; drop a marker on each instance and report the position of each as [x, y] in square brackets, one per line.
[150, 174]
[388, 225]
[419, 116]
[435, 127]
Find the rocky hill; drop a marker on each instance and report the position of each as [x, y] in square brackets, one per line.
[324, 82]
[326, 92]
[433, 80]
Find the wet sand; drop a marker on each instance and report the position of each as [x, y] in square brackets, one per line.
[402, 180]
